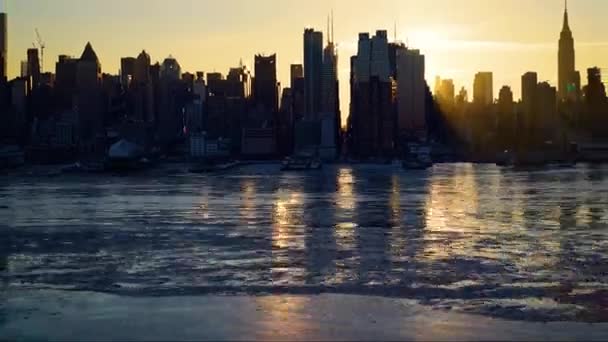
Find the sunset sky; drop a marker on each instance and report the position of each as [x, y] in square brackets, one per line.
[458, 37]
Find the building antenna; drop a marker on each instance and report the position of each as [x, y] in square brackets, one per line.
[395, 32]
[328, 31]
[332, 26]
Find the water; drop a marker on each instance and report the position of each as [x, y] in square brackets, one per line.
[530, 244]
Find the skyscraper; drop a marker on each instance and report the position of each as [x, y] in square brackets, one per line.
[372, 121]
[127, 71]
[313, 62]
[33, 66]
[3, 47]
[265, 89]
[88, 100]
[566, 62]
[380, 61]
[483, 88]
[296, 71]
[411, 87]
[330, 106]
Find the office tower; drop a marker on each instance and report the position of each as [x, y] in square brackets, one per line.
[372, 122]
[380, 62]
[506, 119]
[329, 80]
[483, 89]
[363, 60]
[313, 62]
[296, 71]
[546, 124]
[566, 62]
[127, 71]
[330, 106]
[265, 83]
[88, 98]
[445, 92]
[65, 81]
[141, 68]
[170, 70]
[595, 91]
[529, 88]
[411, 90]
[33, 66]
[3, 48]
[142, 89]
[171, 101]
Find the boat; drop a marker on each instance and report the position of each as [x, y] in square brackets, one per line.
[127, 156]
[301, 163]
[418, 157]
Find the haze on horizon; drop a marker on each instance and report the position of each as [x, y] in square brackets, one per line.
[459, 38]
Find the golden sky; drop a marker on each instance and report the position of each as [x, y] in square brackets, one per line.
[458, 37]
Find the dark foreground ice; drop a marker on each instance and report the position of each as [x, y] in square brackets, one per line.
[85, 316]
[526, 245]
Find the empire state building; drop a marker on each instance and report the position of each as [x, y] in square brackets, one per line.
[569, 79]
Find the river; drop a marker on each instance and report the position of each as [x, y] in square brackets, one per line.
[519, 244]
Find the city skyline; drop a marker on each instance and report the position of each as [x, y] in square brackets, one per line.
[453, 48]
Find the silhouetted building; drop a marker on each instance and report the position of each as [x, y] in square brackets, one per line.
[445, 92]
[411, 88]
[506, 119]
[89, 102]
[65, 81]
[171, 102]
[567, 82]
[547, 121]
[596, 104]
[143, 89]
[529, 89]
[295, 71]
[3, 48]
[313, 63]
[170, 69]
[330, 106]
[265, 83]
[483, 88]
[372, 122]
[33, 66]
[380, 62]
[127, 71]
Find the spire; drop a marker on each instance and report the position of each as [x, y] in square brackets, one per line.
[566, 23]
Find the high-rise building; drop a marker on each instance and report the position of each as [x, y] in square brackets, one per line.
[296, 71]
[313, 63]
[529, 89]
[380, 61]
[372, 122]
[33, 66]
[65, 81]
[88, 98]
[170, 69]
[3, 48]
[445, 91]
[265, 89]
[330, 104]
[567, 84]
[127, 71]
[483, 88]
[411, 88]
[546, 121]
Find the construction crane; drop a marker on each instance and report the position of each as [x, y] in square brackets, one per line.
[42, 45]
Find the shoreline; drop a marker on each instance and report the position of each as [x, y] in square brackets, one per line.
[87, 316]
